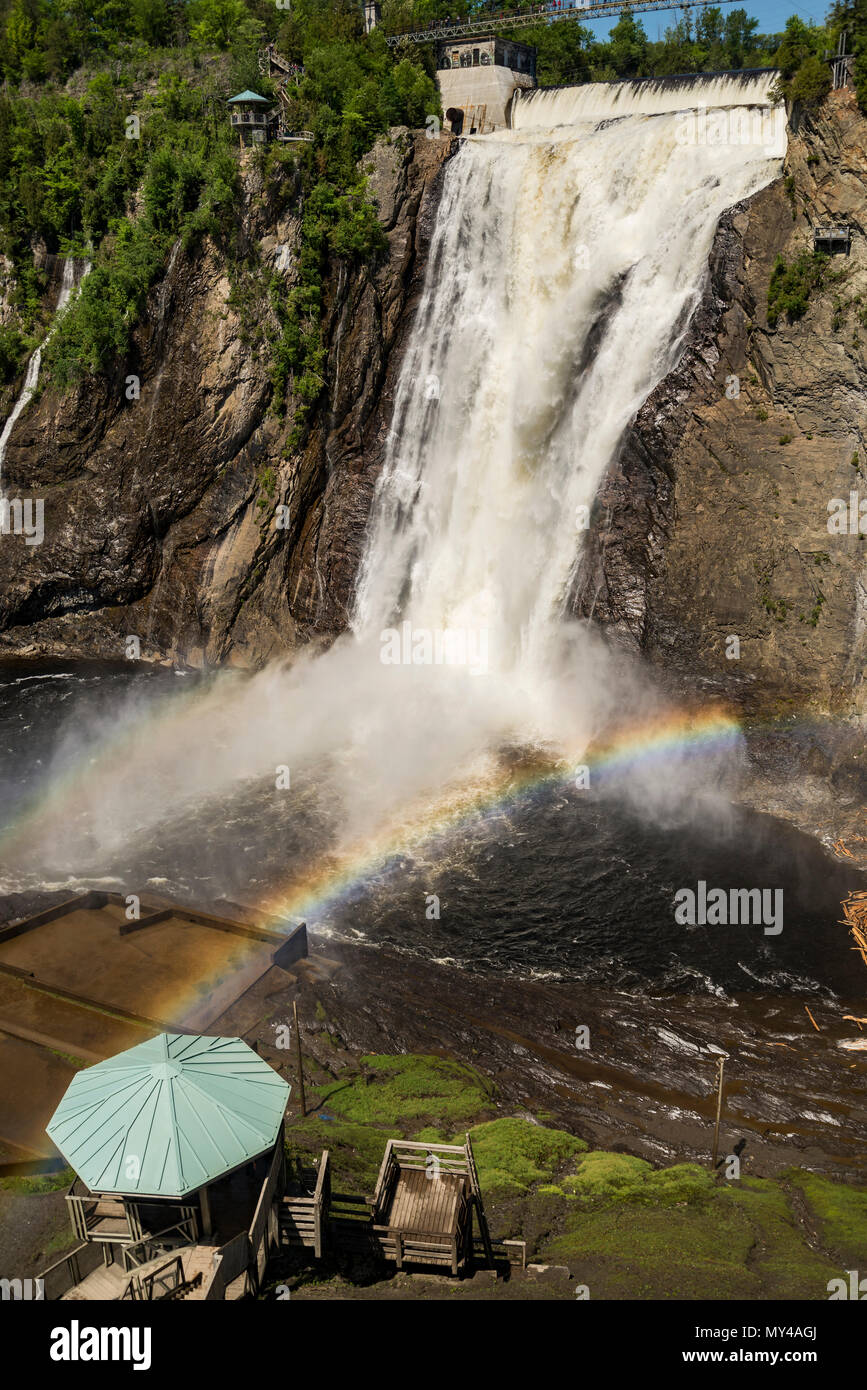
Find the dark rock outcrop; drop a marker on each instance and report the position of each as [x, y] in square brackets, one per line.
[714, 523]
[161, 482]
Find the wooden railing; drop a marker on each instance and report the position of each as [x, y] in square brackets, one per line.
[169, 1281]
[148, 1245]
[65, 1273]
[321, 1203]
[84, 1214]
[229, 1261]
[264, 1231]
[140, 1288]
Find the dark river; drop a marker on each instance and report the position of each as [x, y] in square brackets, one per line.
[555, 884]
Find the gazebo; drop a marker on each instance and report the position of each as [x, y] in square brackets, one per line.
[250, 115]
[171, 1140]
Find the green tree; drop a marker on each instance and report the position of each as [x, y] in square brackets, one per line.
[800, 41]
[220, 23]
[19, 32]
[152, 21]
[811, 82]
[851, 16]
[627, 47]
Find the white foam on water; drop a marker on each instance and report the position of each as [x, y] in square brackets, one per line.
[567, 257]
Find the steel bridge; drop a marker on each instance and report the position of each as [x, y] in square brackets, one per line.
[539, 14]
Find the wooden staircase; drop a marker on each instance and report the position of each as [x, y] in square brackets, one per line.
[302, 1217]
[285, 75]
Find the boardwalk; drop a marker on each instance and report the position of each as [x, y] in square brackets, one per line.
[421, 1204]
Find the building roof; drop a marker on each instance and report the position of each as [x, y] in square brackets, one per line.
[169, 1116]
[474, 41]
[248, 96]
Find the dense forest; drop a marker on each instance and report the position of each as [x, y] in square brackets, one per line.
[114, 141]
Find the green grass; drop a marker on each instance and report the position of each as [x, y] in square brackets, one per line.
[512, 1154]
[625, 1228]
[676, 1234]
[406, 1091]
[60, 1241]
[38, 1182]
[388, 1098]
[355, 1151]
[840, 1211]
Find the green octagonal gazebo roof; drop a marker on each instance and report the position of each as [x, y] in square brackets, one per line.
[248, 96]
[169, 1116]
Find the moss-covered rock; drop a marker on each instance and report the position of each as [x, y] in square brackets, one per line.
[512, 1154]
[387, 1098]
[840, 1211]
[603, 1174]
[406, 1090]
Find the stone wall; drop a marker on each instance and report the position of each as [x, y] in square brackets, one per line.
[483, 94]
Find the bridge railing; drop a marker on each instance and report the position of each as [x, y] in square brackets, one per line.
[541, 14]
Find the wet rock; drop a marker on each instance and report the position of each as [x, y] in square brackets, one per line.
[160, 480]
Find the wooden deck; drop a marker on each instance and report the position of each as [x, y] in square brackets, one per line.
[423, 1203]
[425, 1200]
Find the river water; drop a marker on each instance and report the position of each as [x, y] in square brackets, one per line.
[549, 882]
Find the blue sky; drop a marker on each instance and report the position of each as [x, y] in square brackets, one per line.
[771, 14]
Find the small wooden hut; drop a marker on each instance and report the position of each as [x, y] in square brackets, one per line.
[423, 1207]
[252, 118]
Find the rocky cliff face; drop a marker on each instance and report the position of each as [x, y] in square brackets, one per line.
[713, 526]
[161, 482]
[709, 553]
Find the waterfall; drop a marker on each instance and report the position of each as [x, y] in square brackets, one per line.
[33, 366]
[550, 107]
[567, 257]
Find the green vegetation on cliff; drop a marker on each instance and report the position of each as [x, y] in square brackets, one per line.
[623, 1227]
[114, 142]
[792, 284]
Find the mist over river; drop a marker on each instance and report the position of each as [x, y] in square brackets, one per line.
[388, 793]
[551, 882]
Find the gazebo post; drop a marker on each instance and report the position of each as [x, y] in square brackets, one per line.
[207, 1228]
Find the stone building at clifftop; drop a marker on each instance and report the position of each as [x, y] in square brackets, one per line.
[478, 79]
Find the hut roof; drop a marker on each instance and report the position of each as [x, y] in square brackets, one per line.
[169, 1116]
[248, 96]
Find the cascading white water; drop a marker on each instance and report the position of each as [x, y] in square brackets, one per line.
[549, 107]
[567, 257]
[31, 378]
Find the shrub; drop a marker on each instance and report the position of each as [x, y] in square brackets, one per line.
[811, 83]
[791, 285]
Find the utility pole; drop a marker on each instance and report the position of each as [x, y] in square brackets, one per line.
[721, 1061]
[298, 1058]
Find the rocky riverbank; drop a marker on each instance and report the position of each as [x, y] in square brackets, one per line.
[645, 1082]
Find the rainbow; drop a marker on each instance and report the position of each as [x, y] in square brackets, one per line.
[672, 735]
[313, 891]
